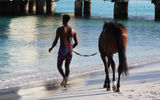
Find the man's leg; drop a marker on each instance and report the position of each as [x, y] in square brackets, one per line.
[59, 66]
[67, 70]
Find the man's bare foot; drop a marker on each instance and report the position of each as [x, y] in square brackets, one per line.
[65, 81]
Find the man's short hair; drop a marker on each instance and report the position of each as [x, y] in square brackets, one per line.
[66, 17]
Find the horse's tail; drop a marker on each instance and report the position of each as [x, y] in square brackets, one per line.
[123, 67]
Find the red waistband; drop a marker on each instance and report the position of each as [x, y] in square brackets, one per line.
[66, 46]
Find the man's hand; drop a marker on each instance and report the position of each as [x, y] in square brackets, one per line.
[50, 49]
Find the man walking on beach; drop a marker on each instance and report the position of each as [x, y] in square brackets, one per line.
[66, 33]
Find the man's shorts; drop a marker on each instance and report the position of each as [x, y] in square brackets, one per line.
[65, 53]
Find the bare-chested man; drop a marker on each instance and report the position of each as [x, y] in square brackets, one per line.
[66, 33]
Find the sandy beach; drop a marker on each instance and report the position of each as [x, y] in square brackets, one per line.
[143, 83]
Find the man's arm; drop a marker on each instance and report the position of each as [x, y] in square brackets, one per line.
[75, 40]
[55, 41]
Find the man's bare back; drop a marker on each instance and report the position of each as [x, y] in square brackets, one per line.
[66, 33]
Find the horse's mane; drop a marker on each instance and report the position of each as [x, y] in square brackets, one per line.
[111, 27]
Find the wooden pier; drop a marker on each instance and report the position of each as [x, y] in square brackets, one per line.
[24, 7]
[82, 8]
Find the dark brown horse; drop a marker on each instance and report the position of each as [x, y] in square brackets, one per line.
[113, 39]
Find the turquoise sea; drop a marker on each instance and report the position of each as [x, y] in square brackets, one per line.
[24, 41]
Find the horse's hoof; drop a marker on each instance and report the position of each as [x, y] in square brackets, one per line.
[114, 88]
[118, 90]
[108, 89]
[104, 86]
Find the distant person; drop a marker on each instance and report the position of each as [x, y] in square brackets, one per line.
[65, 33]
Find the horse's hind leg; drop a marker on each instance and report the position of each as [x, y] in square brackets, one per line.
[113, 69]
[118, 83]
[106, 64]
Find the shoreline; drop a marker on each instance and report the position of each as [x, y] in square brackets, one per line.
[39, 78]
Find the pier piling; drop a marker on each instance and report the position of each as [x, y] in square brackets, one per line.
[87, 8]
[16, 7]
[40, 7]
[78, 8]
[5, 8]
[121, 10]
[50, 4]
[24, 5]
[157, 9]
[32, 6]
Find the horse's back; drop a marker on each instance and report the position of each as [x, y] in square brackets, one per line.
[108, 43]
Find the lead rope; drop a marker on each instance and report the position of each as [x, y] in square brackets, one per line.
[85, 55]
